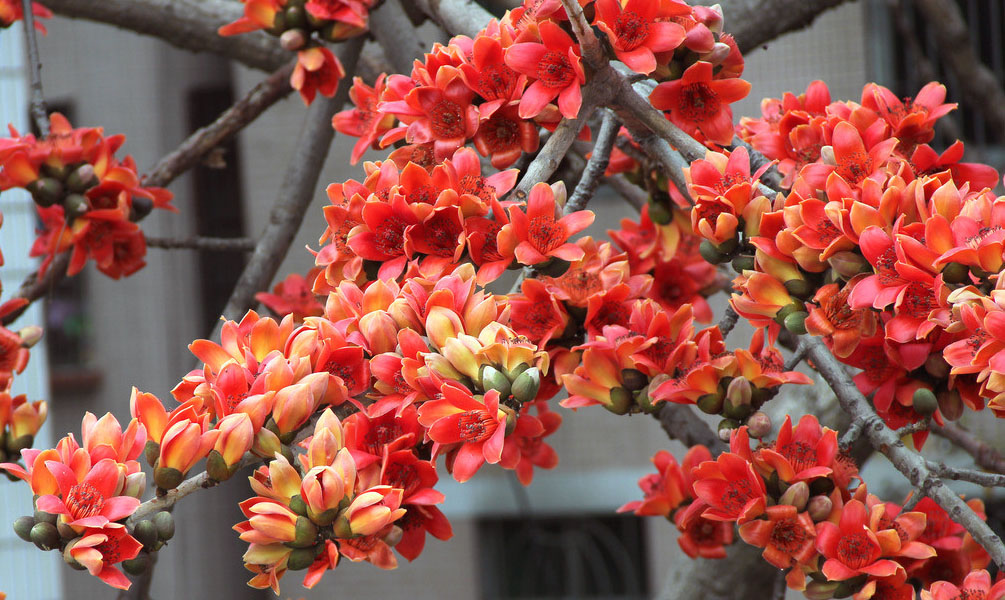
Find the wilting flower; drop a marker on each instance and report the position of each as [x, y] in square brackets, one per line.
[317, 70]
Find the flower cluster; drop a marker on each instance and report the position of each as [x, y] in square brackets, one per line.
[84, 492]
[303, 26]
[793, 498]
[88, 200]
[885, 248]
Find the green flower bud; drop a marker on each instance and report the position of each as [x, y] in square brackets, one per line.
[168, 478]
[659, 213]
[621, 401]
[710, 253]
[743, 263]
[43, 517]
[82, 179]
[634, 379]
[797, 495]
[526, 386]
[216, 466]
[956, 273]
[75, 205]
[46, 191]
[300, 559]
[151, 452]
[45, 536]
[164, 523]
[296, 16]
[925, 402]
[22, 527]
[800, 288]
[138, 565]
[145, 533]
[796, 322]
[494, 379]
[711, 403]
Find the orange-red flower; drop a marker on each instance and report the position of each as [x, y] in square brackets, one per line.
[697, 102]
[976, 586]
[787, 537]
[317, 71]
[87, 499]
[541, 232]
[477, 425]
[731, 488]
[640, 28]
[554, 66]
[99, 550]
[851, 548]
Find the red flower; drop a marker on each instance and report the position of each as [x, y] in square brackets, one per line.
[13, 10]
[536, 314]
[417, 522]
[488, 75]
[787, 536]
[555, 67]
[381, 237]
[697, 102]
[731, 488]
[318, 70]
[801, 454]
[640, 28]
[477, 425]
[852, 549]
[702, 537]
[505, 136]
[977, 586]
[99, 550]
[538, 234]
[88, 499]
[293, 295]
[365, 121]
[258, 14]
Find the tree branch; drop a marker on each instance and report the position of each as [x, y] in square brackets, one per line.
[295, 194]
[681, 423]
[596, 165]
[396, 35]
[977, 82]
[39, 113]
[240, 244]
[984, 455]
[911, 464]
[979, 477]
[271, 90]
[755, 22]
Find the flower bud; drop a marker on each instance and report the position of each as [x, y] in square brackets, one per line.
[621, 401]
[75, 205]
[151, 451]
[135, 484]
[145, 533]
[526, 386]
[956, 273]
[44, 517]
[711, 403]
[950, 404]
[300, 559]
[30, 335]
[848, 264]
[266, 443]
[924, 401]
[306, 534]
[493, 379]
[821, 590]
[394, 536]
[167, 478]
[758, 425]
[743, 263]
[65, 531]
[710, 253]
[46, 191]
[45, 536]
[293, 39]
[819, 508]
[82, 179]
[937, 367]
[796, 322]
[164, 523]
[138, 565]
[797, 495]
[660, 214]
[717, 54]
[22, 527]
[726, 427]
[634, 379]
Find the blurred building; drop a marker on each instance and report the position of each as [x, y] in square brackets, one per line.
[106, 336]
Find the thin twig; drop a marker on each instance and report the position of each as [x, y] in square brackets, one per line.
[979, 477]
[984, 455]
[728, 321]
[596, 165]
[851, 435]
[911, 464]
[797, 355]
[912, 428]
[273, 88]
[39, 113]
[680, 422]
[241, 244]
[588, 43]
[780, 585]
[295, 194]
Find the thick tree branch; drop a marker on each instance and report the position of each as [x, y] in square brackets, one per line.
[911, 464]
[755, 22]
[241, 244]
[272, 89]
[976, 81]
[681, 423]
[396, 35]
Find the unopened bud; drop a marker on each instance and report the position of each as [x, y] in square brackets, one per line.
[726, 427]
[643, 401]
[821, 590]
[633, 379]
[796, 322]
[293, 39]
[758, 425]
[45, 517]
[217, 467]
[743, 263]
[718, 53]
[516, 371]
[494, 379]
[296, 16]
[141, 208]
[621, 401]
[65, 531]
[151, 452]
[306, 533]
[46, 191]
[164, 523]
[30, 335]
[394, 536]
[848, 264]
[950, 404]
[45, 536]
[298, 505]
[956, 273]
[168, 478]
[797, 495]
[710, 403]
[819, 508]
[22, 527]
[266, 443]
[937, 367]
[925, 402]
[300, 559]
[75, 205]
[710, 253]
[82, 179]
[739, 391]
[145, 533]
[526, 386]
[799, 288]
[138, 565]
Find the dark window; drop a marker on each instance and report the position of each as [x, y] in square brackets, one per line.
[217, 194]
[563, 557]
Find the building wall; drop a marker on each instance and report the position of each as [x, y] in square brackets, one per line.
[143, 324]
